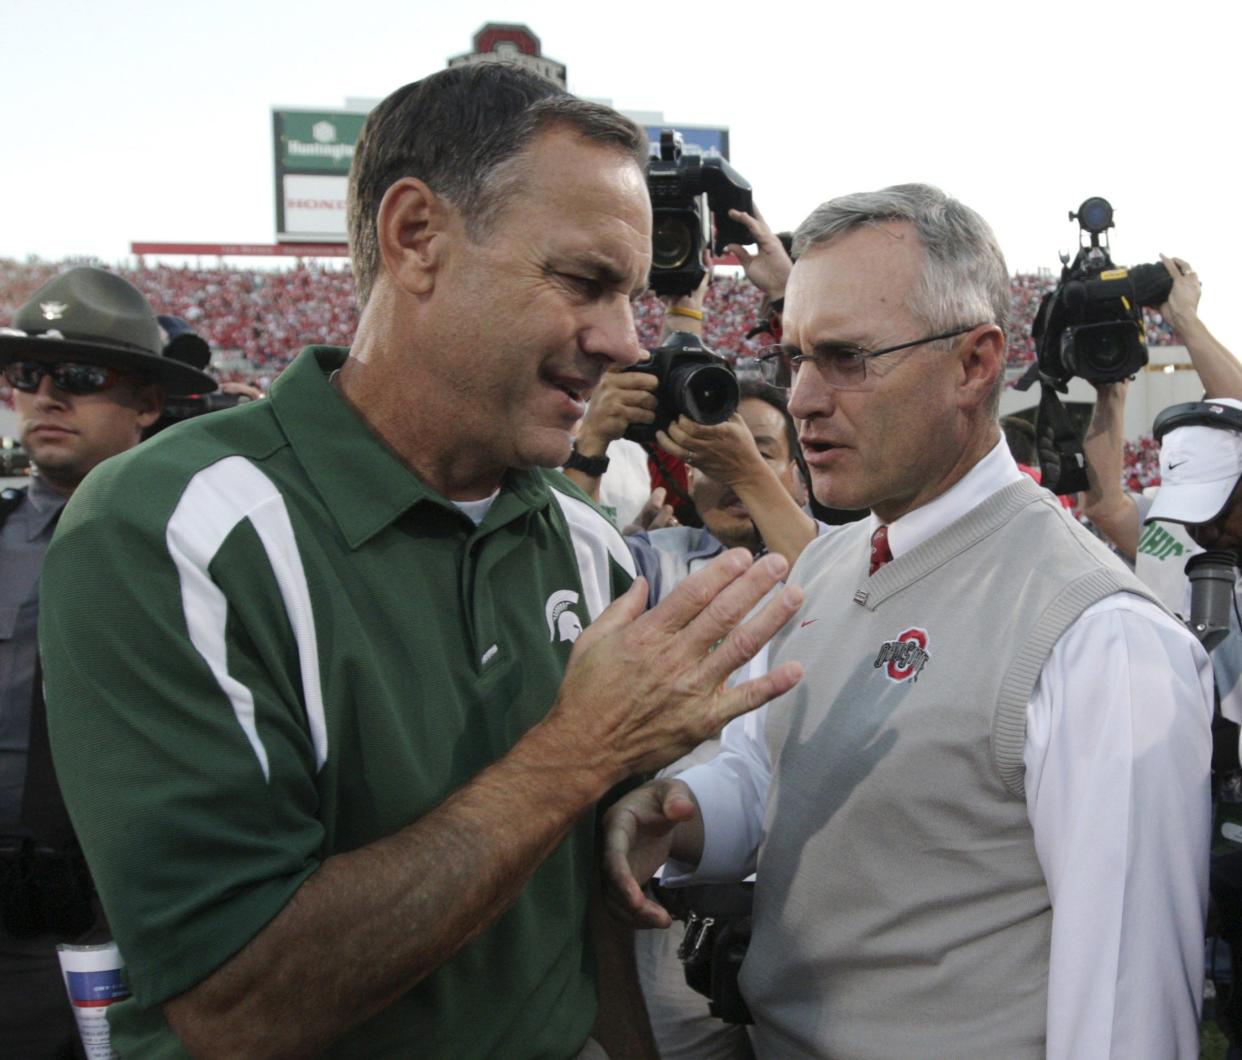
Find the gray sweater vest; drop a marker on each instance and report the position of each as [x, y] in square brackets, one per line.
[900, 910]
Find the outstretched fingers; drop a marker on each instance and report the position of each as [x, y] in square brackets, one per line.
[725, 616]
[686, 602]
[753, 694]
[746, 639]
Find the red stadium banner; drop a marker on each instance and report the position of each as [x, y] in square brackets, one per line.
[280, 250]
[245, 250]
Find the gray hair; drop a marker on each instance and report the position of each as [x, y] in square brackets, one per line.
[965, 280]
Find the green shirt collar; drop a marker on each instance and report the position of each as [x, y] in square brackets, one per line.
[362, 482]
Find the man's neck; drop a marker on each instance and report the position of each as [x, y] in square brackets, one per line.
[62, 487]
[414, 430]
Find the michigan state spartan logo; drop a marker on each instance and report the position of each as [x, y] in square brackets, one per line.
[903, 659]
[563, 623]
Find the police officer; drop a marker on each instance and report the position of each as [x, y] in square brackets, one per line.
[84, 359]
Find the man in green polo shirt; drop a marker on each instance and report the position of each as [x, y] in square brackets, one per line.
[334, 680]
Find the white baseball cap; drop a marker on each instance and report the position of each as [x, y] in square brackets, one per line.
[1199, 468]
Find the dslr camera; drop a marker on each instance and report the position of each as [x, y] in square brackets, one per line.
[688, 189]
[692, 380]
[1091, 326]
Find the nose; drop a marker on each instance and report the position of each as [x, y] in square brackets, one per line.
[609, 332]
[810, 396]
[47, 392]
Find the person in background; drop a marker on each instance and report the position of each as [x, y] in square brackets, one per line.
[89, 373]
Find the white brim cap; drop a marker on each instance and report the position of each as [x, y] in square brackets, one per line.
[1199, 468]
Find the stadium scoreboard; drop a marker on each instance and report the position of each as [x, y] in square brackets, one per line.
[313, 150]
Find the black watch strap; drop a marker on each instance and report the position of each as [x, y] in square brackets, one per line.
[588, 465]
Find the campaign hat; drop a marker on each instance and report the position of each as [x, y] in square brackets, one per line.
[96, 316]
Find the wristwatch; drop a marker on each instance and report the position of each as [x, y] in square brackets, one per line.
[588, 465]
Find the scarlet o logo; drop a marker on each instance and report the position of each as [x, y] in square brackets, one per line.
[909, 655]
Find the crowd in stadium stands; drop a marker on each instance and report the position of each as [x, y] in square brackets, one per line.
[263, 317]
[1142, 464]
[266, 315]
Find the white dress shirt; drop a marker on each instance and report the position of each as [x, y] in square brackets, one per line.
[1117, 755]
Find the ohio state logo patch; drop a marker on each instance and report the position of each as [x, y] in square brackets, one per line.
[903, 659]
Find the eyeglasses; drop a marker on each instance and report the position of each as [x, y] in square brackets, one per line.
[69, 376]
[842, 366]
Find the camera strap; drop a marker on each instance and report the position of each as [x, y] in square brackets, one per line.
[1061, 459]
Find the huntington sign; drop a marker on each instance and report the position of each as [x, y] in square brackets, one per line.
[313, 149]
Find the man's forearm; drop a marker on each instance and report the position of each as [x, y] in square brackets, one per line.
[784, 527]
[589, 484]
[1105, 503]
[370, 924]
[1219, 370]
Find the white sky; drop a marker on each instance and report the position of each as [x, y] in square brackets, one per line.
[148, 121]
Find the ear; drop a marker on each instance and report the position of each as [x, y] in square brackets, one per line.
[982, 364]
[149, 401]
[410, 228]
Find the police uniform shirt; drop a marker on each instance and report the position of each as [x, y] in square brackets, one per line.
[23, 542]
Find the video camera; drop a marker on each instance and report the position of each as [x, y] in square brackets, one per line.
[1091, 326]
[693, 380]
[688, 189]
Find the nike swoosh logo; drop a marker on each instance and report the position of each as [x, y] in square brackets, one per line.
[807, 622]
[1177, 465]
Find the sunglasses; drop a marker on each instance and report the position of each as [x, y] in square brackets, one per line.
[69, 376]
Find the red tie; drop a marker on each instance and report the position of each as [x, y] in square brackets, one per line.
[880, 552]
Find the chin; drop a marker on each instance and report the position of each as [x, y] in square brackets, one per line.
[551, 449]
[733, 536]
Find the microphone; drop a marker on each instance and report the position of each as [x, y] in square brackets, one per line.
[1212, 576]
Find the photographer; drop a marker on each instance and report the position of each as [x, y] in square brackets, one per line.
[1201, 495]
[746, 482]
[612, 469]
[1117, 514]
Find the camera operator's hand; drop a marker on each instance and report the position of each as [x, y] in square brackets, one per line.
[655, 514]
[728, 453]
[241, 390]
[769, 266]
[622, 398]
[1218, 368]
[724, 451]
[1180, 311]
[638, 838]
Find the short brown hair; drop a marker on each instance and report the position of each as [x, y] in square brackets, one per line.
[454, 130]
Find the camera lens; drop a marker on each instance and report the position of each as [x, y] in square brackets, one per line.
[707, 393]
[1106, 352]
[1095, 215]
[672, 243]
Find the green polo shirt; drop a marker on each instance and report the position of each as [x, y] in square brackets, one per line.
[266, 641]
